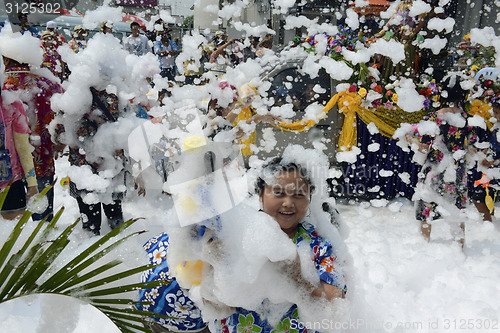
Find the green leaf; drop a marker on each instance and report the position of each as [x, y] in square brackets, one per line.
[42, 263]
[112, 315]
[123, 326]
[133, 311]
[35, 259]
[62, 275]
[112, 278]
[13, 237]
[79, 279]
[117, 301]
[118, 290]
[14, 265]
[30, 257]
[67, 276]
[3, 195]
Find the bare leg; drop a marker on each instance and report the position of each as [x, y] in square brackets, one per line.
[483, 210]
[461, 241]
[12, 215]
[425, 228]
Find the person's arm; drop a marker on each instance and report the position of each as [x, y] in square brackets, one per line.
[328, 291]
[324, 290]
[422, 147]
[254, 120]
[218, 51]
[23, 148]
[157, 49]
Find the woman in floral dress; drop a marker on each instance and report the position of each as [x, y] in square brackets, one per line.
[445, 169]
[284, 190]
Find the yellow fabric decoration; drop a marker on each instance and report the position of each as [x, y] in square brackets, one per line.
[481, 108]
[386, 120]
[488, 200]
[24, 148]
[245, 114]
[349, 104]
[302, 125]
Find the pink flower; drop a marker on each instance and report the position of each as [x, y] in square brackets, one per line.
[388, 105]
[373, 85]
[450, 188]
[426, 212]
[338, 49]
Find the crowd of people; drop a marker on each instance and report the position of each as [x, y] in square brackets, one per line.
[218, 54]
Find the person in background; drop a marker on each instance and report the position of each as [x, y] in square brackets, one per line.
[104, 109]
[488, 186]
[16, 159]
[78, 42]
[52, 27]
[136, 43]
[265, 45]
[444, 172]
[25, 26]
[249, 51]
[36, 91]
[222, 56]
[51, 57]
[225, 117]
[106, 27]
[166, 53]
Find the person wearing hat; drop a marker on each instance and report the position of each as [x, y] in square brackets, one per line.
[136, 43]
[25, 27]
[78, 42]
[52, 27]
[51, 58]
[106, 27]
[221, 56]
[34, 91]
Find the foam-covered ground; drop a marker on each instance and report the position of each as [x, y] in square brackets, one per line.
[399, 281]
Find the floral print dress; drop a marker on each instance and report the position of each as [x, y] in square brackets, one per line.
[246, 321]
[445, 169]
[168, 300]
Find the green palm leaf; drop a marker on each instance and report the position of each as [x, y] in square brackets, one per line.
[30, 270]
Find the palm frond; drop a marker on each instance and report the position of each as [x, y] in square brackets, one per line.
[32, 269]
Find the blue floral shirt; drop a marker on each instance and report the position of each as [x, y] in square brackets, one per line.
[244, 321]
[168, 300]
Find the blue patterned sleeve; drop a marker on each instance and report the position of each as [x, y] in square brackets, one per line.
[327, 265]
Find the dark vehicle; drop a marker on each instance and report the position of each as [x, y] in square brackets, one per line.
[289, 84]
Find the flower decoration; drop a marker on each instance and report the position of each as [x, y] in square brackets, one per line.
[486, 90]
[345, 38]
[476, 56]
[378, 93]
